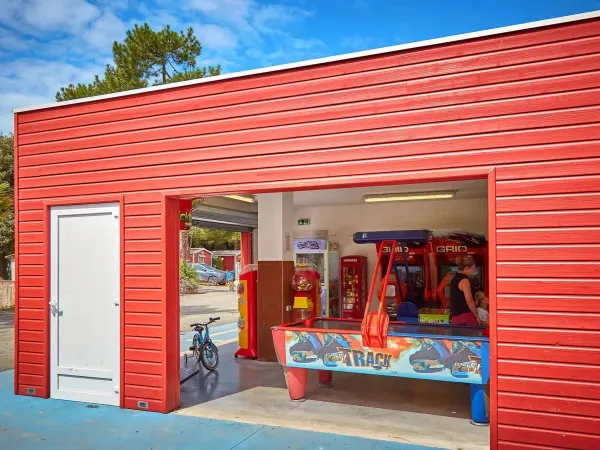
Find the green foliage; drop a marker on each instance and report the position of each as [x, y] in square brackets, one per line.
[217, 262]
[7, 211]
[188, 276]
[7, 161]
[146, 57]
[214, 239]
[115, 80]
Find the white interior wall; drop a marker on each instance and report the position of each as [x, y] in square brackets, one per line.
[275, 221]
[342, 221]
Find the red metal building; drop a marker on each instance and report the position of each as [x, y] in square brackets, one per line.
[200, 255]
[519, 106]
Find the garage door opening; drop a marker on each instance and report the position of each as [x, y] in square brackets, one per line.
[317, 230]
[214, 249]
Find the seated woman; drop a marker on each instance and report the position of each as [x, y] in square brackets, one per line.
[483, 305]
[464, 309]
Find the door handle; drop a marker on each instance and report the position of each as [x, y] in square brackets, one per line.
[53, 307]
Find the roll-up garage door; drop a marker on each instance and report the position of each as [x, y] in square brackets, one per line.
[206, 216]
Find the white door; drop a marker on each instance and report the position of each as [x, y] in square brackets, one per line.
[84, 303]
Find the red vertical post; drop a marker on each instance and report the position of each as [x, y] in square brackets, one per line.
[170, 271]
[493, 306]
[246, 247]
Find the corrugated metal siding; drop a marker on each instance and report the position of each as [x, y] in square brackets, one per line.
[527, 104]
[549, 304]
[144, 302]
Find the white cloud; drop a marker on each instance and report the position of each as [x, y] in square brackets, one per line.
[62, 15]
[306, 44]
[215, 37]
[104, 31]
[28, 82]
[269, 19]
[235, 11]
[10, 41]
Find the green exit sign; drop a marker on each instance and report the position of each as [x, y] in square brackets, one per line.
[303, 221]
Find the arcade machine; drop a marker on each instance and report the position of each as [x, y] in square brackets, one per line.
[306, 283]
[416, 256]
[354, 286]
[378, 347]
[247, 292]
[447, 246]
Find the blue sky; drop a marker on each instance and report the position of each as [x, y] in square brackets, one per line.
[46, 44]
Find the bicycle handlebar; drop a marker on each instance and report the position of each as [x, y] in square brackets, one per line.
[210, 320]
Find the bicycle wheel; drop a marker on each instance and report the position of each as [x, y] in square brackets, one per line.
[209, 356]
[196, 350]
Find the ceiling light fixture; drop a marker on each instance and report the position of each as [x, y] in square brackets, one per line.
[409, 196]
[242, 198]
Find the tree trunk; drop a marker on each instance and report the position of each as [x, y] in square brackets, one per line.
[164, 72]
[184, 246]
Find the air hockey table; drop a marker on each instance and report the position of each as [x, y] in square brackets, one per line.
[430, 352]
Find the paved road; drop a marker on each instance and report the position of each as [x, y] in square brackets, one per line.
[212, 302]
[7, 340]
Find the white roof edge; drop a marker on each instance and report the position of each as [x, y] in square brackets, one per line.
[328, 59]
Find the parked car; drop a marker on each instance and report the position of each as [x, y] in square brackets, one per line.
[210, 275]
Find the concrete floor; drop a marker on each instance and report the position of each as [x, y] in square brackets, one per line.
[212, 302]
[7, 339]
[418, 412]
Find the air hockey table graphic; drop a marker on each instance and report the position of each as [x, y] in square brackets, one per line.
[430, 352]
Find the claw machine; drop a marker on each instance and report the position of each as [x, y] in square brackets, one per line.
[315, 251]
[354, 286]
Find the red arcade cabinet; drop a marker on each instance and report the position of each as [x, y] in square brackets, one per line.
[447, 247]
[247, 307]
[354, 286]
[416, 257]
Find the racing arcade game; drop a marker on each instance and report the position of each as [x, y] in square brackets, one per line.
[447, 246]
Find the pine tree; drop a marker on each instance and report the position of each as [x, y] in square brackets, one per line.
[146, 57]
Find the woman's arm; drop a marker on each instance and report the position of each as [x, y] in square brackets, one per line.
[465, 286]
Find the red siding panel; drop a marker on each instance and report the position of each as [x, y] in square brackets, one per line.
[525, 105]
[561, 439]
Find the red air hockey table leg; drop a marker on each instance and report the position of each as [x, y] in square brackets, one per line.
[295, 379]
[325, 377]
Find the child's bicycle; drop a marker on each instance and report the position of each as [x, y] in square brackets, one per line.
[203, 348]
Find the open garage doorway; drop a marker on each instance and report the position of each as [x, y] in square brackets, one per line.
[215, 243]
[407, 408]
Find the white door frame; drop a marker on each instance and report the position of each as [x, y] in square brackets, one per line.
[113, 399]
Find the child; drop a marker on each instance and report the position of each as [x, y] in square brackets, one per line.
[483, 305]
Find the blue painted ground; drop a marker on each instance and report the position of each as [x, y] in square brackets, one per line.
[44, 424]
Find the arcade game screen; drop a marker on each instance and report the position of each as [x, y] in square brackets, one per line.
[417, 284]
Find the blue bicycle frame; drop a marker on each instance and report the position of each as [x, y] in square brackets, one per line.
[202, 339]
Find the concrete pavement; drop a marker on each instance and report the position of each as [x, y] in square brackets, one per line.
[46, 424]
[212, 302]
[7, 339]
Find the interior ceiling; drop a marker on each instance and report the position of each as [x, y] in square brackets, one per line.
[471, 189]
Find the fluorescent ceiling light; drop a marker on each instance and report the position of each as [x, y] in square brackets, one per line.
[242, 198]
[409, 196]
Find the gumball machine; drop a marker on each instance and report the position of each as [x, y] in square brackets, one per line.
[306, 283]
